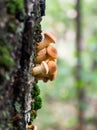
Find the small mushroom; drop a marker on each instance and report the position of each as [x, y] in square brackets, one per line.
[41, 69]
[52, 52]
[50, 77]
[41, 56]
[52, 67]
[48, 38]
[32, 127]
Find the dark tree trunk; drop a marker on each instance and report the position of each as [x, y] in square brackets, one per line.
[15, 94]
[79, 86]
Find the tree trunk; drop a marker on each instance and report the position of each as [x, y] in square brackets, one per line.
[79, 86]
[15, 95]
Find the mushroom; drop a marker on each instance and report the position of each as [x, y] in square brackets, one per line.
[52, 67]
[48, 38]
[41, 69]
[51, 74]
[50, 77]
[50, 59]
[32, 127]
[41, 56]
[51, 51]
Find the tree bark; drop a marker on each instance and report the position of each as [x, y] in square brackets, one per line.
[16, 93]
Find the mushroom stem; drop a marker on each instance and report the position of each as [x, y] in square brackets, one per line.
[51, 75]
[40, 69]
[48, 38]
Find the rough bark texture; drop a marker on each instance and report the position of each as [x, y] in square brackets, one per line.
[15, 94]
[8, 54]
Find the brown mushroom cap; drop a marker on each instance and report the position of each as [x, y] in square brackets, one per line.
[52, 67]
[51, 51]
[41, 56]
[45, 68]
[48, 39]
[51, 36]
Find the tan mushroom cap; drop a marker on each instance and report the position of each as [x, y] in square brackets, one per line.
[52, 67]
[51, 36]
[51, 51]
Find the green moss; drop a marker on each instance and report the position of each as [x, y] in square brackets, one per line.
[33, 116]
[37, 103]
[12, 27]
[32, 106]
[5, 58]
[14, 5]
[36, 91]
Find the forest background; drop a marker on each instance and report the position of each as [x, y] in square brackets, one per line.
[60, 97]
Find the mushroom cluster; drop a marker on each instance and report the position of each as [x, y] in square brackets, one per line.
[46, 64]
